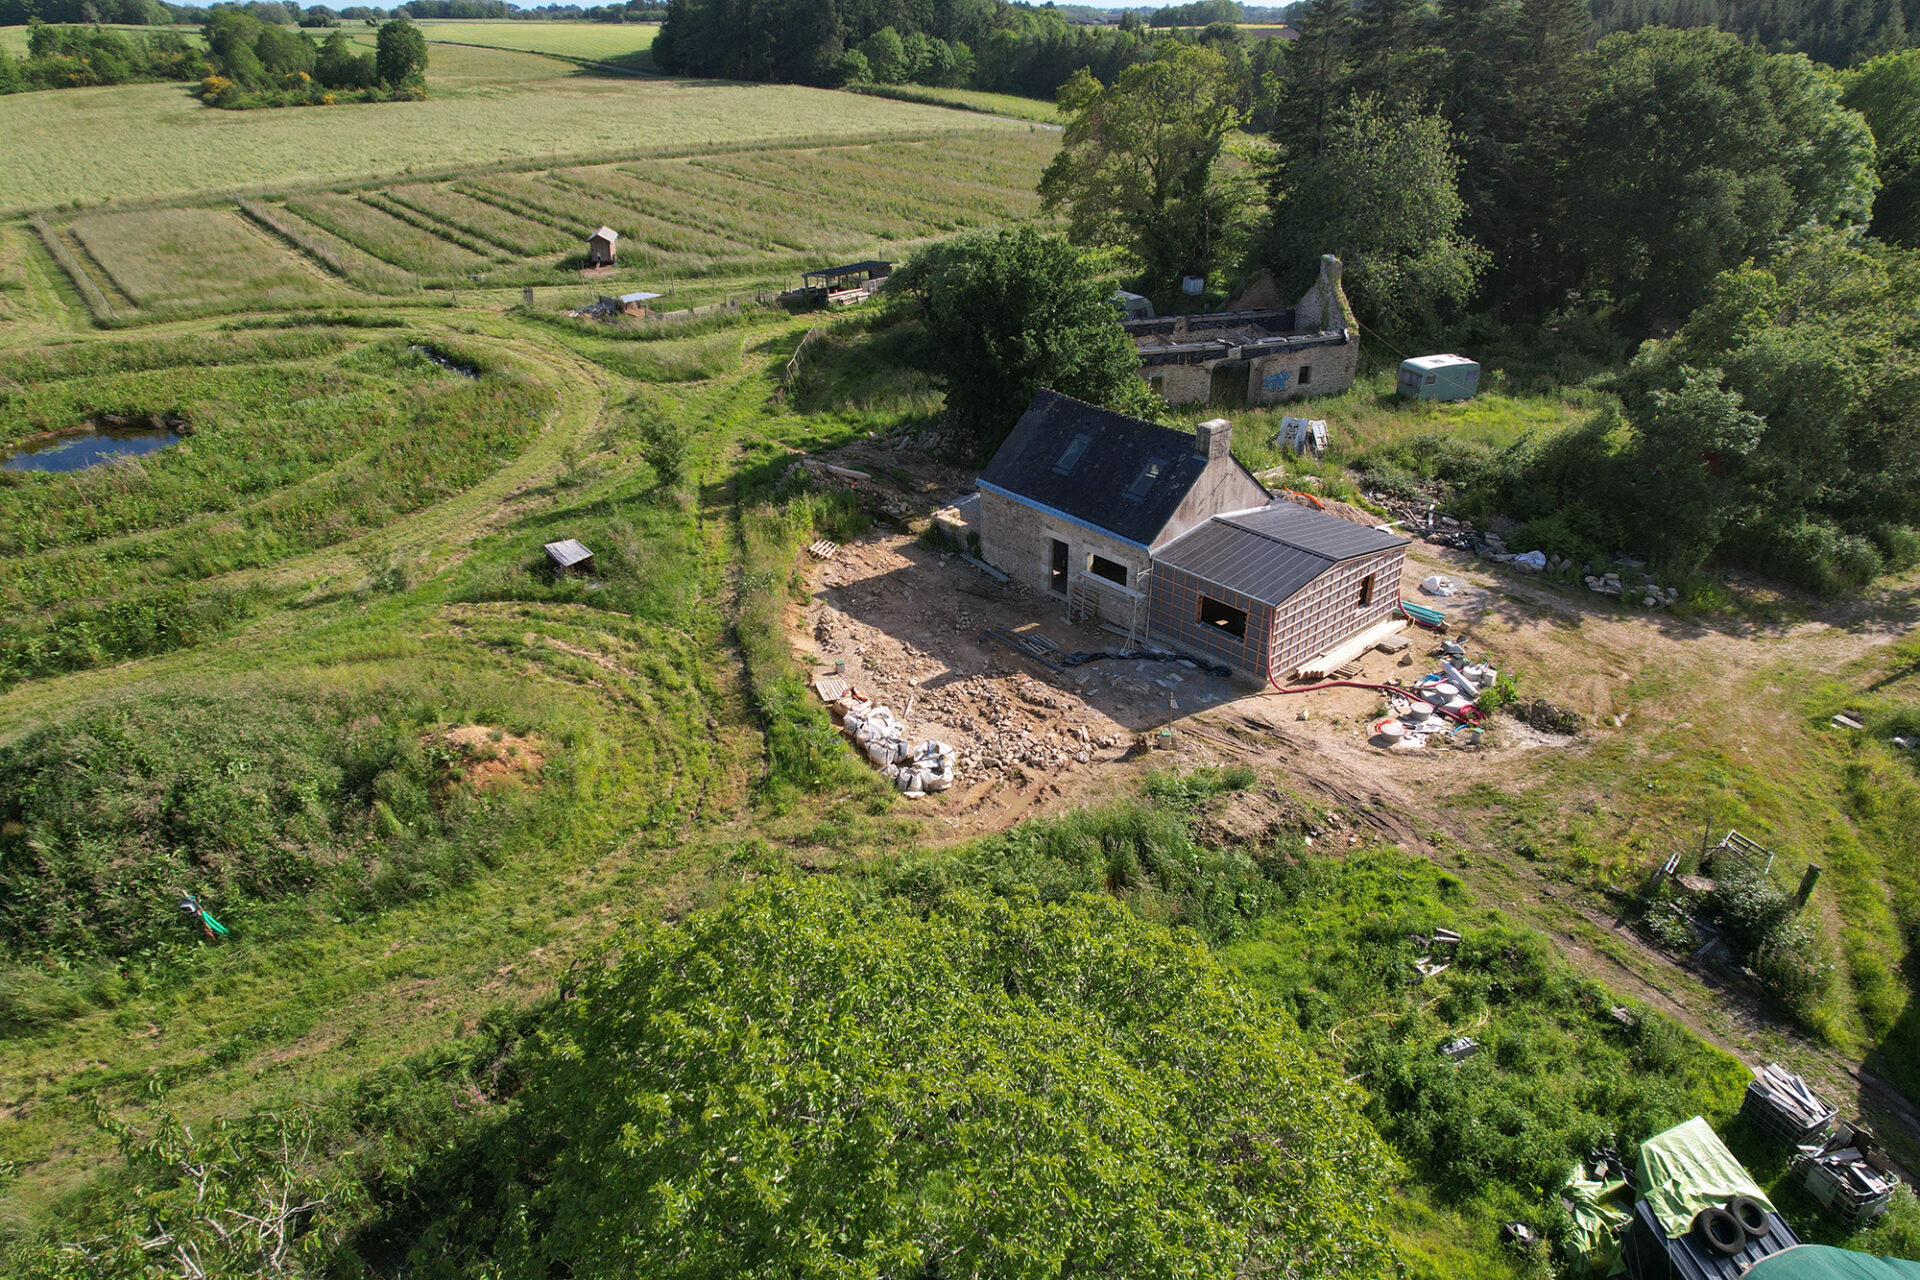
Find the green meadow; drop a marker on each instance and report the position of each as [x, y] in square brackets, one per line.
[307, 664]
[487, 106]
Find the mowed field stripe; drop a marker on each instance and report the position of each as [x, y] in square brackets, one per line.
[164, 142]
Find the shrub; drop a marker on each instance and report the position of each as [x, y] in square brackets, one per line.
[1793, 965]
[988, 1086]
[1746, 906]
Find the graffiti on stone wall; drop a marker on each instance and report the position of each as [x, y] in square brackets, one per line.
[1275, 381]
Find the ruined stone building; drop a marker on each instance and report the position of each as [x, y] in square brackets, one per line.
[1256, 352]
[1165, 534]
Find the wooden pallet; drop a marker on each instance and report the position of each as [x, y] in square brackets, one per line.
[824, 550]
[1346, 671]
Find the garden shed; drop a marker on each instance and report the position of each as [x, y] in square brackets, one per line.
[601, 247]
[1445, 377]
[568, 556]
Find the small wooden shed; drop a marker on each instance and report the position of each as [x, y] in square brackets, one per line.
[566, 556]
[600, 247]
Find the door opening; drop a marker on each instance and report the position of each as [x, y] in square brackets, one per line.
[1057, 569]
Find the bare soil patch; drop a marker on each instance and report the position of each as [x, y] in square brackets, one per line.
[489, 756]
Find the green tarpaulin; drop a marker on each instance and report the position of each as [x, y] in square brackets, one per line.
[1686, 1169]
[1818, 1262]
[1599, 1210]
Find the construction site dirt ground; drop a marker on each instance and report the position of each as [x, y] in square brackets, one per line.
[904, 625]
[907, 621]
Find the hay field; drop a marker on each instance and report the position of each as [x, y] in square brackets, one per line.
[723, 214]
[488, 106]
[14, 39]
[749, 217]
[195, 257]
[622, 44]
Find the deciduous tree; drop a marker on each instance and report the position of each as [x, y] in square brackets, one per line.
[1136, 166]
[1695, 153]
[1010, 312]
[1382, 196]
[803, 1084]
[400, 53]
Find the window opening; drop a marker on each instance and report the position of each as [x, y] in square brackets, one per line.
[1306, 375]
[1223, 617]
[1071, 455]
[1366, 592]
[1145, 480]
[1112, 571]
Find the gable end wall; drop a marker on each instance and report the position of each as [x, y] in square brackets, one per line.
[1321, 615]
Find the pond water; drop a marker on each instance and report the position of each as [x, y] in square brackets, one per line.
[87, 446]
[451, 366]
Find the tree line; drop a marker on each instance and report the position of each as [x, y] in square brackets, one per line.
[1035, 50]
[258, 64]
[75, 57]
[1488, 178]
[155, 13]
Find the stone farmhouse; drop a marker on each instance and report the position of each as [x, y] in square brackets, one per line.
[1167, 535]
[1256, 352]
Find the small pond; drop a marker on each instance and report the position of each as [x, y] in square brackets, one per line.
[445, 362]
[87, 446]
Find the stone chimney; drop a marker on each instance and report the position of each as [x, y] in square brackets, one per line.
[1213, 439]
[1324, 307]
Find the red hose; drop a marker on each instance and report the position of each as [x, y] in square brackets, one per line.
[1469, 716]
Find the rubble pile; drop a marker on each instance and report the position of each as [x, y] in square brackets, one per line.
[825, 475]
[1018, 723]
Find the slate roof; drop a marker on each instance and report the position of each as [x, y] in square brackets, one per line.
[1093, 489]
[1271, 552]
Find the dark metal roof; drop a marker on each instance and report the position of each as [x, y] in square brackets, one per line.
[1093, 489]
[1270, 553]
[870, 266]
[1688, 1259]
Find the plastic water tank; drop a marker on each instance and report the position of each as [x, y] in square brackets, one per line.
[1193, 286]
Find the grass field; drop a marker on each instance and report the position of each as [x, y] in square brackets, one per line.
[196, 257]
[488, 106]
[618, 44]
[738, 216]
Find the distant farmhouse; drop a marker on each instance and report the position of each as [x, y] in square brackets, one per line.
[1260, 351]
[1167, 535]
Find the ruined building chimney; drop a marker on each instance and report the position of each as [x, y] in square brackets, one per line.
[1213, 439]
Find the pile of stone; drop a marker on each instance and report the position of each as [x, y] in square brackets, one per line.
[1011, 732]
[1648, 594]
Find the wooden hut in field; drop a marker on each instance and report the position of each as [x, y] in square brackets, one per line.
[600, 247]
[568, 556]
